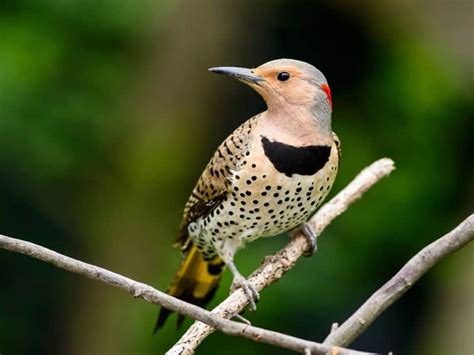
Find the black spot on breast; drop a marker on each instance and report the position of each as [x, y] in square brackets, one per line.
[290, 160]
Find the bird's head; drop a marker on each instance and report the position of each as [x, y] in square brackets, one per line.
[285, 83]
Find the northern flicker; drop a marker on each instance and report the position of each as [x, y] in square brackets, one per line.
[267, 177]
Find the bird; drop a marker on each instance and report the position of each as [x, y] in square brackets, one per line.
[267, 177]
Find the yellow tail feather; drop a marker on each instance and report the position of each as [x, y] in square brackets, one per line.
[196, 281]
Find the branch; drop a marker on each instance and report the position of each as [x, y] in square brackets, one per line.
[339, 204]
[150, 294]
[272, 270]
[402, 282]
[275, 266]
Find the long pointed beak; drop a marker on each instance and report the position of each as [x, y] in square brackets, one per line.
[243, 74]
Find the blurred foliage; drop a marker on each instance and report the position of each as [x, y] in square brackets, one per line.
[107, 116]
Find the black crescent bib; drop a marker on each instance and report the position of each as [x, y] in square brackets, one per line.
[290, 160]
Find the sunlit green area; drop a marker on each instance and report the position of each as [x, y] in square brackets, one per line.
[108, 115]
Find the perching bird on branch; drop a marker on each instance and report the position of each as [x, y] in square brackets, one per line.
[266, 178]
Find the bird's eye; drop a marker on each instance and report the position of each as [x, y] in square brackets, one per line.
[283, 76]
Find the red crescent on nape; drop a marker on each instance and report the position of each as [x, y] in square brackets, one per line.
[327, 90]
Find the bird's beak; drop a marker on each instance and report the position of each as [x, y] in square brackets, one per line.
[243, 74]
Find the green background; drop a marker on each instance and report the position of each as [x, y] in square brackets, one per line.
[108, 115]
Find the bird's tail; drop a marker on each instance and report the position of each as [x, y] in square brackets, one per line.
[196, 282]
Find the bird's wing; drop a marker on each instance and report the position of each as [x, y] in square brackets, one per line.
[214, 183]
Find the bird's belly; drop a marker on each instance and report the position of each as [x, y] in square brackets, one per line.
[284, 202]
[264, 203]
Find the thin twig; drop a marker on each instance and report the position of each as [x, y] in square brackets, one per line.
[275, 266]
[401, 283]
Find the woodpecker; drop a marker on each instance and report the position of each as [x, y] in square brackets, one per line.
[267, 177]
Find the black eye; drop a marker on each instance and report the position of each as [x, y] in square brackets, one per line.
[283, 76]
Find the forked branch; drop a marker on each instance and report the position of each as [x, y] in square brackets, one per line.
[271, 270]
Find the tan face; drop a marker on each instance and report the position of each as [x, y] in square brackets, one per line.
[285, 82]
[285, 85]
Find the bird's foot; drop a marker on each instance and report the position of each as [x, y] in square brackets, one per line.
[310, 236]
[242, 319]
[249, 290]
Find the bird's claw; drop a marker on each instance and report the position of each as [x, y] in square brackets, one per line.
[249, 290]
[310, 238]
[242, 319]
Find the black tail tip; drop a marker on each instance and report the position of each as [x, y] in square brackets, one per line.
[162, 317]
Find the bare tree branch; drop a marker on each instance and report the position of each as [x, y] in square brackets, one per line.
[271, 268]
[152, 295]
[275, 266]
[401, 283]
